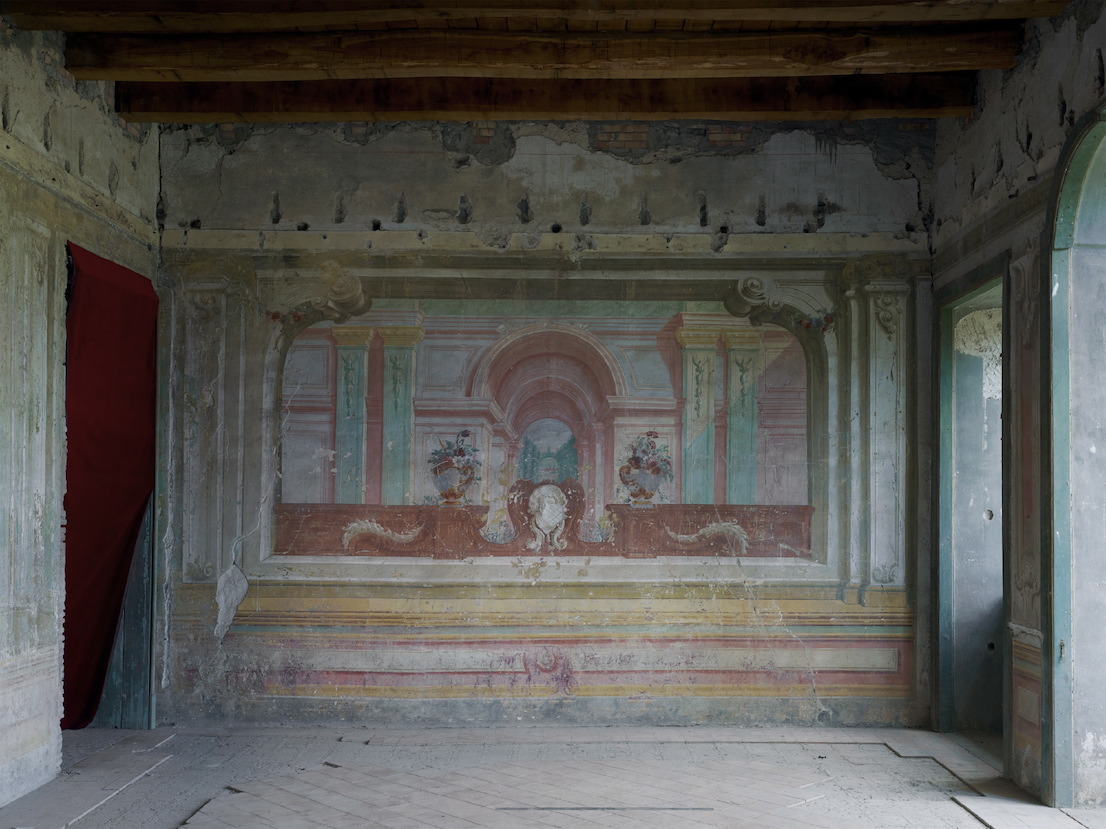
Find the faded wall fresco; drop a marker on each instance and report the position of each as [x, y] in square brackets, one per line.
[473, 509]
[592, 428]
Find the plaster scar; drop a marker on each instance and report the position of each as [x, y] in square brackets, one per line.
[371, 527]
[729, 529]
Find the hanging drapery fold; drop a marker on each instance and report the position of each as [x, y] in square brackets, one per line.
[110, 410]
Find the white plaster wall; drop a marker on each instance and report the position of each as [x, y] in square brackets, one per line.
[69, 170]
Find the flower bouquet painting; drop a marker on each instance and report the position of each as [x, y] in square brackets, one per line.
[648, 465]
[453, 466]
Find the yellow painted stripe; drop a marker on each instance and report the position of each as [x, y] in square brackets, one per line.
[790, 691]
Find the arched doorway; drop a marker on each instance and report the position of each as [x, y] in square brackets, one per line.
[1074, 714]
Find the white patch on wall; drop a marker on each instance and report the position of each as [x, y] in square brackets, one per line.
[979, 334]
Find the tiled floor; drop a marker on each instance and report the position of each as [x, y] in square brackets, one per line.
[769, 778]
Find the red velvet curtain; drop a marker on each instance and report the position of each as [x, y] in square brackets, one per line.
[110, 409]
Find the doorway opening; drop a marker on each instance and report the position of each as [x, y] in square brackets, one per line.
[971, 615]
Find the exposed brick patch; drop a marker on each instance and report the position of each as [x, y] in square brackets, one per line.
[624, 136]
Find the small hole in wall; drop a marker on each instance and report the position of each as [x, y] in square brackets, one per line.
[990, 646]
[376, 224]
[989, 514]
[724, 229]
[555, 228]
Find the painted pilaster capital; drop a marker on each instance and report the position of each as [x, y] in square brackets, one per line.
[352, 336]
[697, 338]
[883, 268]
[742, 339]
[401, 335]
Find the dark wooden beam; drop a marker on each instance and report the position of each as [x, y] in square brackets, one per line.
[237, 16]
[471, 99]
[414, 54]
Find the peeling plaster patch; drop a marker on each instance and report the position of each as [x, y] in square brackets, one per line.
[495, 236]
[439, 213]
[363, 132]
[232, 136]
[488, 143]
[585, 212]
[525, 214]
[464, 210]
[719, 239]
[347, 189]
[562, 132]
[47, 130]
[584, 242]
[229, 593]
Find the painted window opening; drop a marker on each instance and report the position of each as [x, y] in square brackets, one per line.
[471, 428]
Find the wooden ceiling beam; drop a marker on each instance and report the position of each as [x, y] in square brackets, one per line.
[238, 16]
[469, 99]
[347, 56]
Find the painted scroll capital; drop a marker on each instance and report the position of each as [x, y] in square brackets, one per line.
[753, 297]
[345, 296]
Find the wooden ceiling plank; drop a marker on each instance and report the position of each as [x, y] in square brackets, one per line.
[239, 16]
[411, 54]
[436, 99]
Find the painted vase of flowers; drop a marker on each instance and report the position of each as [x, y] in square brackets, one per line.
[454, 466]
[647, 467]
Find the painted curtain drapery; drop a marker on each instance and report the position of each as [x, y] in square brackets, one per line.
[110, 414]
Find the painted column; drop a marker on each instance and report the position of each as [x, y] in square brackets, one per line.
[699, 353]
[399, 410]
[745, 363]
[888, 342]
[349, 422]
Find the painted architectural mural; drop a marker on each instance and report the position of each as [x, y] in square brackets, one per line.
[472, 428]
[458, 508]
